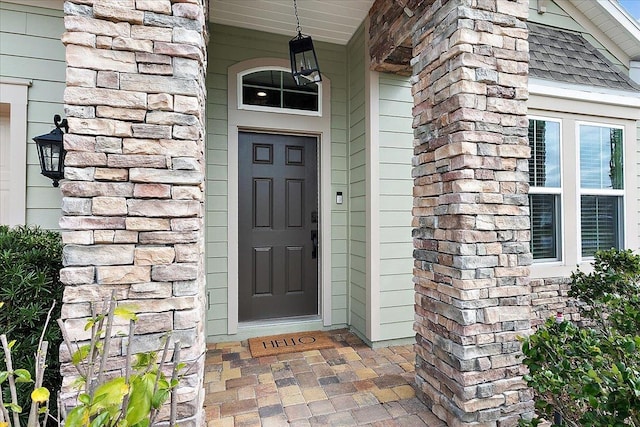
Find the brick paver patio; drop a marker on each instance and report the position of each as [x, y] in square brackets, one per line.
[349, 385]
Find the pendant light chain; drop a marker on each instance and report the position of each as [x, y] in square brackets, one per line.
[295, 10]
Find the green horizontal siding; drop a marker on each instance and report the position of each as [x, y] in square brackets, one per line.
[30, 48]
[357, 184]
[396, 201]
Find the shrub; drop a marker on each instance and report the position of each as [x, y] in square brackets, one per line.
[30, 261]
[590, 375]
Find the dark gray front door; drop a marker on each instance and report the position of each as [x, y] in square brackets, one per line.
[277, 226]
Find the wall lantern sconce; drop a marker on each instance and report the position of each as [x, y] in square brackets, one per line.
[51, 150]
[304, 63]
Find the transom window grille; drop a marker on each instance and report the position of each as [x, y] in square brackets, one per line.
[276, 90]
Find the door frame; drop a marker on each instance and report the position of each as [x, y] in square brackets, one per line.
[277, 123]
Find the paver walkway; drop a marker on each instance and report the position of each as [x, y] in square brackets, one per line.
[349, 385]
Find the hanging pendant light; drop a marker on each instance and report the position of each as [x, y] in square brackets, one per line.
[304, 63]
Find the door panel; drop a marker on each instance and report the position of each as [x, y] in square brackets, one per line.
[277, 226]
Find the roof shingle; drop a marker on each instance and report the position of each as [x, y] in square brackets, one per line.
[568, 57]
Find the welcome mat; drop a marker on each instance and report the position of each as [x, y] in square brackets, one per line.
[289, 343]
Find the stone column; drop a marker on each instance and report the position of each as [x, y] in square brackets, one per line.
[471, 236]
[134, 190]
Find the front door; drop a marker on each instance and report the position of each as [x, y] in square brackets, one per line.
[277, 226]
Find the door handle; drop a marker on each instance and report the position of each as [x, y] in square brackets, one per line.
[314, 241]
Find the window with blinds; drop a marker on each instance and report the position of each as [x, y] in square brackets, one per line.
[601, 188]
[545, 189]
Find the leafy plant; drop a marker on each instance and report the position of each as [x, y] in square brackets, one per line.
[590, 375]
[30, 261]
[132, 400]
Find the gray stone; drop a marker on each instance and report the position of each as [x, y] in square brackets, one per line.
[97, 255]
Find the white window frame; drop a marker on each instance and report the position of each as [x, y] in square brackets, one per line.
[266, 109]
[601, 192]
[555, 191]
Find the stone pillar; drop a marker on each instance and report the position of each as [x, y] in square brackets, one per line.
[134, 190]
[471, 236]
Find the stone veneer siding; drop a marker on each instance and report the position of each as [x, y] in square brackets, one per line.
[471, 235]
[133, 193]
[550, 296]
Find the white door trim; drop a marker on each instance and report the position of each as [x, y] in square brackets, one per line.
[246, 120]
[15, 93]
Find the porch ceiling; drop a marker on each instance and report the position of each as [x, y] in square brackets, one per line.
[332, 21]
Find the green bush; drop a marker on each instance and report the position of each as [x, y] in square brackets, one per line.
[590, 375]
[30, 263]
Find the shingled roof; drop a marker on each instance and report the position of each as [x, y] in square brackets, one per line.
[568, 57]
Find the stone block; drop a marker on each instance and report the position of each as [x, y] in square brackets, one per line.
[185, 163]
[158, 6]
[93, 189]
[84, 112]
[84, 159]
[74, 255]
[104, 236]
[150, 255]
[163, 208]
[123, 274]
[88, 25]
[92, 293]
[80, 39]
[190, 37]
[113, 12]
[186, 224]
[91, 223]
[143, 130]
[155, 69]
[73, 276]
[169, 118]
[132, 44]
[186, 193]
[108, 144]
[152, 191]
[128, 114]
[108, 79]
[187, 105]
[150, 290]
[185, 319]
[81, 77]
[76, 206]
[151, 33]
[186, 68]
[104, 42]
[170, 21]
[136, 160]
[165, 176]
[110, 174]
[154, 322]
[125, 236]
[84, 237]
[107, 206]
[187, 253]
[168, 237]
[100, 59]
[185, 288]
[148, 224]
[186, 132]
[158, 84]
[168, 147]
[161, 102]
[76, 311]
[109, 97]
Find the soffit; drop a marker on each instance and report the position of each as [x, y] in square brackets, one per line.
[332, 21]
[615, 22]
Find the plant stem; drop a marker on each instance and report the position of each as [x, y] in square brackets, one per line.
[174, 390]
[12, 383]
